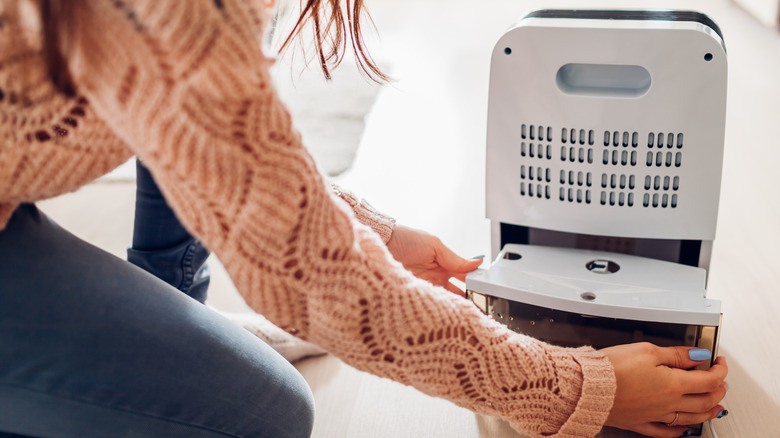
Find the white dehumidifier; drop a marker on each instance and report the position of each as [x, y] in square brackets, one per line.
[604, 154]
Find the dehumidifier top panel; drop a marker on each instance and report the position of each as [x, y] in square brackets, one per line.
[607, 127]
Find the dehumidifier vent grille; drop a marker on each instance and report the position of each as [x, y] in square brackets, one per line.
[623, 183]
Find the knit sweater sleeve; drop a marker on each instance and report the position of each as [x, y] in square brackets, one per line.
[52, 143]
[186, 86]
[366, 214]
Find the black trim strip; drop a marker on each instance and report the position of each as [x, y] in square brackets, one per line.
[629, 15]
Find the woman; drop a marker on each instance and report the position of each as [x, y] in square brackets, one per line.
[94, 347]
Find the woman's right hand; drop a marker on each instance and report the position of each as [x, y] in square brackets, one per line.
[654, 389]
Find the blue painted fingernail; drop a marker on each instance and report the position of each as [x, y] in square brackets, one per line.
[478, 257]
[699, 354]
[722, 414]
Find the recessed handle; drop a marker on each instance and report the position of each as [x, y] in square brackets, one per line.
[603, 80]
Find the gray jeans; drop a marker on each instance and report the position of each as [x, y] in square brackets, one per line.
[92, 346]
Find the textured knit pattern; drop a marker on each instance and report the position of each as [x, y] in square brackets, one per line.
[185, 86]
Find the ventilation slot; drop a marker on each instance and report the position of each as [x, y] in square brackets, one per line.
[535, 190]
[535, 181]
[576, 186]
[574, 195]
[575, 154]
[665, 140]
[621, 138]
[536, 132]
[577, 136]
[660, 191]
[535, 150]
[617, 189]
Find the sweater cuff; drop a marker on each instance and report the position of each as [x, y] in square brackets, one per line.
[367, 215]
[596, 397]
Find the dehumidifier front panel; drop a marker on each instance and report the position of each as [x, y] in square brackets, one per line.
[607, 128]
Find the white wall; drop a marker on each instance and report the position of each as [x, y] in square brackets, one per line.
[765, 11]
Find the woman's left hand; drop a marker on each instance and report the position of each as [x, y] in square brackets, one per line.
[427, 258]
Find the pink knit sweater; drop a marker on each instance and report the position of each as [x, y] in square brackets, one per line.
[185, 86]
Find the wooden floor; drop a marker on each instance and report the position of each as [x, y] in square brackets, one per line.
[422, 160]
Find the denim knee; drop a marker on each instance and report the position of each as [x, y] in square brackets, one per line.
[301, 400]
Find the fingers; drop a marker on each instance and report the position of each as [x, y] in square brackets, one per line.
[703, 402]
[660, 430]
[682, 357]
[686, 418]
[454, 263]
[702, 382]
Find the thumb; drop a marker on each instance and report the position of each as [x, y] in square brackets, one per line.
[454, 263]
[683, 357]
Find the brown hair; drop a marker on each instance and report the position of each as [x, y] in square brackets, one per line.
[330, 35]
